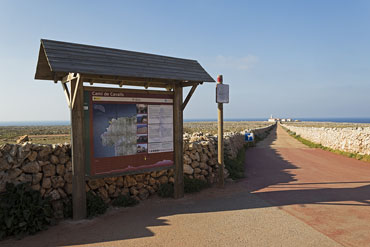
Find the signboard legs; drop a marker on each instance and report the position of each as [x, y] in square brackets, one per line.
[178, 142]
[78, 164]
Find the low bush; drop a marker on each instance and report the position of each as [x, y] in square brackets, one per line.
[236, 167]
[194, 185]
[23, 211]
[95, 205]
[166, 190]
[124, 201]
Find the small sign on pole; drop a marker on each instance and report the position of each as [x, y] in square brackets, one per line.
[222, 96]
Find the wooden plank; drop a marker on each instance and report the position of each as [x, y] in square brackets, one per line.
[192, 90]
[73, 99]
[178, 142]
[78, 163]
[67, 94]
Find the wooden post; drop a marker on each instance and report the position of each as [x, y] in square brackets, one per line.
[78, 164]
[178, 139]
[220, 150]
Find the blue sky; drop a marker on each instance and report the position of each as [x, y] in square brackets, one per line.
[287, 58]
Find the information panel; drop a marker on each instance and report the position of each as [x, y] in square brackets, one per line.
[127, 130]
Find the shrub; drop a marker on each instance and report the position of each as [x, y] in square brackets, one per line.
[23, 211]
[67, 207]
[236, 167]
[95, 205]
[194, 185]
[166, 190]
[124, 201]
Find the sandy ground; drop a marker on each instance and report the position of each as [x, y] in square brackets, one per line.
[283, 202]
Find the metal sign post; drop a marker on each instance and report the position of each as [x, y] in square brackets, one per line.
[222, 96]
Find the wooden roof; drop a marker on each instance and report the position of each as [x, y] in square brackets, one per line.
[57, 59]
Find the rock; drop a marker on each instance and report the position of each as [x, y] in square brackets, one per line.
[54, 159]
[119, 182]
[195, 164]
[68, 188]
[140, 185]
[151, 190]
[151, 181]
[188, 169]
[57, 181]
[163, 180]
[24, 178]
[143, 194]
[36, 187]
[95, 183]
[103, 193]
[68, 177]
[60, 169]
[203, 166]
[111, 189]
[110, 180]
[4, 165]
[23, 139]
[32, 167]
[46, 183]
[62, 158]
[62, 193]
[197, 170]
[13, 173]
[161, 173]
[139, 178]
[48, 170]
[45, 151]
[69, 166]
[13, 151]
[129, 181]
[171, 180]
[36, 178]
[204, 172]
[125, 192]
[133, 191]
[54, 195]
[32, 156]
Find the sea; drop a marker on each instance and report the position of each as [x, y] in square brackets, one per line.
[55, 123]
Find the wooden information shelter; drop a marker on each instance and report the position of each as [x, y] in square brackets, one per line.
[76, 64]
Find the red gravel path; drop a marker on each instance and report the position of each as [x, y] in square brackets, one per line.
[327, 191]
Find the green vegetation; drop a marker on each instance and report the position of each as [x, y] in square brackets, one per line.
[229, 126]
[38, 134]
[236, 167]
[23, 211]
[166, 190]
[316, 145]
[95, 205]
[194, 185]
[124, 201]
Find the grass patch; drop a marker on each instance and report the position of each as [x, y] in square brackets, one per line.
[310, 144]
[194, 185]
[236, 167]
[124, 201]
[166, 190]
[95, 205]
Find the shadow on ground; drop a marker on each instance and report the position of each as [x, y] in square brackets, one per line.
[131, 223]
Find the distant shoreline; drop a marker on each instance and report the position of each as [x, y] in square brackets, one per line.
[55, 123]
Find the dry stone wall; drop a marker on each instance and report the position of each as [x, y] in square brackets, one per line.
[353, 140]
[48, 168]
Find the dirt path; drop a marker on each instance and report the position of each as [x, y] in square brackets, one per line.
[327, 191]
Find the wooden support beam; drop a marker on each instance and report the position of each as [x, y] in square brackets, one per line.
[78, 155]
[69, 77]
[178, 139]
[79, 81]
[192, 90]
[67, 94]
